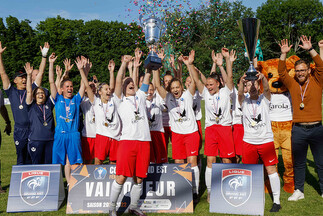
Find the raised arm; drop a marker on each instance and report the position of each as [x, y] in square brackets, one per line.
[131, 68]
[3, 74]
[282, 70]
[226, 55]
[161, 90]
[42, 66]
[241, 95]
[53, 86]
[137, 62]
[265, 84]
[84, 65]
[118, 89]
[29, 88]
[188, 61]
[111, 67]
[229, 61]
[202, 77]
[180, 67]
[320, 43]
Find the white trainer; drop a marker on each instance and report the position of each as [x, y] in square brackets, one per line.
[297, 195]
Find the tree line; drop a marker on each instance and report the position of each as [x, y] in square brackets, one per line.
[206, 29]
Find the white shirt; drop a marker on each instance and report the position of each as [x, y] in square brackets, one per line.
[89, 128]
[133, 114]
[164, 111]
[181, 113]
[281, 107]
[107, 119]
[154, 112]
[256, 121]
[197, 105]
[236, 108]
[217, 107]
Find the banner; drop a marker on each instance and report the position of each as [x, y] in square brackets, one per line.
[36, 188]
[237, 189]
[167, 188]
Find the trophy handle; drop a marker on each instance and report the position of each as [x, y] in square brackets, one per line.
[140, 20]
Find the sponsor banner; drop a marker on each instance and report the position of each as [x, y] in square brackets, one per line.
[36, 188]
[237, 189]
[167, 188]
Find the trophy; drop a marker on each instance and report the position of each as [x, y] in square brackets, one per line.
[153, 28]
[249, 28]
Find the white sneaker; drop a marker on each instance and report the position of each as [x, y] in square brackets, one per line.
[297, 195]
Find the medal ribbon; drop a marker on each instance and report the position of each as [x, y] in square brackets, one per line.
[216, 107]
[303, 93]
[69, 104]
[22, 98]
[254, 111]
[43, 111]
[105, 110]
[178, 106]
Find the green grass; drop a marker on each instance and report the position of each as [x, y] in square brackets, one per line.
[311, 205]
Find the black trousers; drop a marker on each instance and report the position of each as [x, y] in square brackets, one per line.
[302, 138]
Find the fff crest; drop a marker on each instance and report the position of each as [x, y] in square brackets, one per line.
[236, 186]
[34, 186]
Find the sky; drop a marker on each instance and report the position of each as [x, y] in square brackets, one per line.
[107, 10]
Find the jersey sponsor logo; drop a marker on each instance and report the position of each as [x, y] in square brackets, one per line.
[34, 186]
[279, 106]
[100, 173]
[236, 186]
[17, 142]
[33, 149]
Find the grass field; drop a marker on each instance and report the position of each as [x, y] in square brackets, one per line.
[311, 205]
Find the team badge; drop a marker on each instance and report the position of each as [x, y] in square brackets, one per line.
[236, 186]
[100, 173]
[34, 186]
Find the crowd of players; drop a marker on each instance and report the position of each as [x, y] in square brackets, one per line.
[131, 119]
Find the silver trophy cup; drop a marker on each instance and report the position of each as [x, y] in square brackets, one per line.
[154, 28]
[249, 28]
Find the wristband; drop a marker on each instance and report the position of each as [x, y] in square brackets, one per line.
[144, 87]
[310, 49]
[44, 52]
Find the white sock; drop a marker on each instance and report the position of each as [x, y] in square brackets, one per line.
[115, 192]
[275, 186]
[135, 195]
[196, 179]
[208, 177]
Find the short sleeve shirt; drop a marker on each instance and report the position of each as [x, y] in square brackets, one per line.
[42, 126]
[181, 113]
[197, 105]
[67, 113]
[89, 128]
[154, 112]
[281, 107]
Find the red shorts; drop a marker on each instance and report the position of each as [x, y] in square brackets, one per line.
[266, 151]
[105, 146]
[88, 148]
[219, 138]
[133, 158]
[238, 133]
[158, 151]
[200, 133]
[168, 135]
[185, 145]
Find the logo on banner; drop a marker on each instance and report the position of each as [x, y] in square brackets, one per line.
[100, 173]
[236, 186]
[34, 186]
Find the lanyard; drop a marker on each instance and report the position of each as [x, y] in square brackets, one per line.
[67, 108]
[43, 111]
[216, 107]
[303, 93]
[22, 98]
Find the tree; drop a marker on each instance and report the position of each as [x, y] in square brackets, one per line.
[289, 19]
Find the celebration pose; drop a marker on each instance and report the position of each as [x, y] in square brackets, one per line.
[258, 136]
[17, 98]
[42, 126]
[67, 141]
[218, 119]
[306, 93]
[134, 146]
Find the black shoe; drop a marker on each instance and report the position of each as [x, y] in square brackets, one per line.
[196, 198]
[136, 212]
[275, 208]
[2, 190]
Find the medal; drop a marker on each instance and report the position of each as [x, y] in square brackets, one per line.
[21, 100]
[301, 106]
[44, 114]
[137, 117]
[93, 120]
[180, 120]
[67, 120]
[45, 124]
[217, 120]
[106, 124]
[253, 123]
